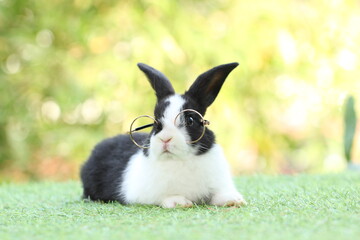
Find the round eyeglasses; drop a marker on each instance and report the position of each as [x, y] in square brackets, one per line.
[189, 118]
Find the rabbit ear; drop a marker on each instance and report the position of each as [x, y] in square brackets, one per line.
[207, 86]
[158, 81]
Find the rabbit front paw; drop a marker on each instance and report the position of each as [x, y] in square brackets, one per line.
[176, 201]
[228, 199]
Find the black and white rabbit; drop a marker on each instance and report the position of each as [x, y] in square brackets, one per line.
[172, 172]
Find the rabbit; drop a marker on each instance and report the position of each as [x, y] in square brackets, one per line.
[172, 172]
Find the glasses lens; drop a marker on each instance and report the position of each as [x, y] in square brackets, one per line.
[193, 121]
[139, 130]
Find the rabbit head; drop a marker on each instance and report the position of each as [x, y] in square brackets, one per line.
[175, 138]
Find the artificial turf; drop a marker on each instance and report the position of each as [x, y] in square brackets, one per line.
[279, 207]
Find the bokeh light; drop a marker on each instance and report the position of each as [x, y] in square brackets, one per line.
[68, 78]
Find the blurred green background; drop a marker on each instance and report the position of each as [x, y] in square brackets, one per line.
[68, 78]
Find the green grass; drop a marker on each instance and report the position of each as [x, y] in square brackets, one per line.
[281, 207]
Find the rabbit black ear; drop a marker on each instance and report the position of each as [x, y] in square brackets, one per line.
[207, 86]
[158, 81]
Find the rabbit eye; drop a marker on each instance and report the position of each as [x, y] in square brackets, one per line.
[189, 121]
[158, 126]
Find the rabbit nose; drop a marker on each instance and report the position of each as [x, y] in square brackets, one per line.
[167, 140]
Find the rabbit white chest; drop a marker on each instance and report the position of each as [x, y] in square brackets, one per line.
[149, 181]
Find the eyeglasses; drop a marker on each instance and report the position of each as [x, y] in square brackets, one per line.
[186, 118]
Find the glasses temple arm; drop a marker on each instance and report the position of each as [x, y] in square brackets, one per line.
[142, 127]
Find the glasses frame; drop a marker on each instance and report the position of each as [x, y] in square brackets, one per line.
[202, 120]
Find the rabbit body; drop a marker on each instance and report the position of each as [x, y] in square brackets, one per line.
[198, 180]
[171, 172]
